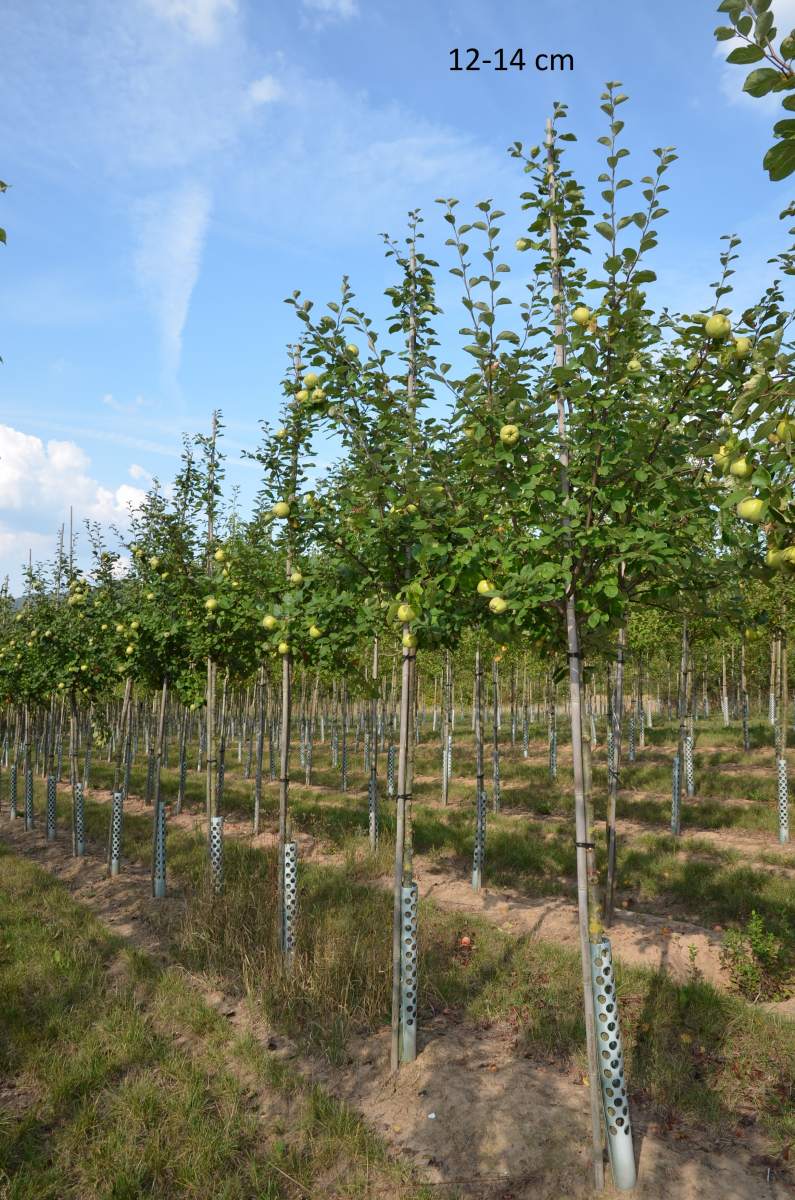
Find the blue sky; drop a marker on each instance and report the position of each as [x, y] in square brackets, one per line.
[179, 166]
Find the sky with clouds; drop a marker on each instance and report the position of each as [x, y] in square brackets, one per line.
[178, 167]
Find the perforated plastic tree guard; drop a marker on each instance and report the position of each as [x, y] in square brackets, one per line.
[631, 745]
[12, 792]
[372, 809]
[479, 852]
[495, 776]
[29, 798]
[553, 754]
[159, 853]
[408, 973]
[783, 800]
[390, 771]
[79, 844]
[611, 1066]
[116, 815]
[51, 809]
[690, 781]
[675, 797]
[290, 897]
[217, 854]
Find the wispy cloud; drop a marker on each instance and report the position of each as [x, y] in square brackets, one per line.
[332, 10]
[126, 410]
[373, 164]
[171, 233]
[201, 19]
[264, 91]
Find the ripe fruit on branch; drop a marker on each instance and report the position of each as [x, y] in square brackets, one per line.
[281, 509]
[318, 395]
[786, 429]
[406, 613]
[774, 558]
[129, 649]
[296, 577]
[211, 603]
[311, 379]
[219, 555]
[409, 641]
[721, 458]
[522, 244]
[314, 632]
[302, 395]
[497, 605]
[634, 364]
[509, 435]
[741, 468]
[751, 509]
[743, 347]
[581, 314]
[352, 350]
[284, 647]
[281, 434]
[788, 555]
[485, 587]
[717, 327]
[269, 622]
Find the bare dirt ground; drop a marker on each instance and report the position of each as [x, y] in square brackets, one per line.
[471, 1112]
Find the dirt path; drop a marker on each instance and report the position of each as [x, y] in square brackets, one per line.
[471, 1111]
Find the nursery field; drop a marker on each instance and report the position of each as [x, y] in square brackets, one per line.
[227, 1057]
[395, 790]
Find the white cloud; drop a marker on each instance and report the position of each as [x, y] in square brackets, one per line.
[333, 9]
[202, 19]
[138, 472]
[264, 90]
[38, 477]
[171, 233]
[39, 482]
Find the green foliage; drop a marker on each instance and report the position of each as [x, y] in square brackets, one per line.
[753, 957]
[753, 23]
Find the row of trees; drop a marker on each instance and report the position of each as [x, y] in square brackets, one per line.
[596, 456]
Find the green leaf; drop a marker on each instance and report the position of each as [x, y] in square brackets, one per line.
[760, 82]
[779, 162]
[745, 54]
[605, 229]
[724, 32]
[788, 46]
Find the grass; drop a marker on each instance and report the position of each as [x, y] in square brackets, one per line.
[692, 879]
[100, 1102]
[691, 1050]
